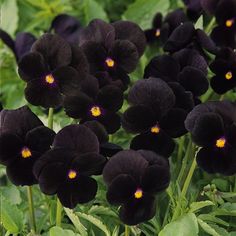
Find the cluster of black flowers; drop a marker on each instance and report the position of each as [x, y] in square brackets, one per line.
[86, 71]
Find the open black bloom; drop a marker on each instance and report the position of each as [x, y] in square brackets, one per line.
[194, 8]
[47, 72]
[133, 179]
[224, 34]
[224, 67]
[186, 36]
[161, 29]
[66, 169]
[114, 48]
[21, 45]
[99, 104]
[185, 67]
[68, 27]
[152, 114]
[213, 127]
[23, 139]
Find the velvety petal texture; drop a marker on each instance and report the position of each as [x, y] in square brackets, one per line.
[128, 175]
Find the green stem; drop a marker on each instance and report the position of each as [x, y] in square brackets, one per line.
[127, 230]
[189, 177]
[31, 208]
[180, 148]
[50, 118]
[59, 211]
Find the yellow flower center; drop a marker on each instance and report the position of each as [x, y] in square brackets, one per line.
[96, 111]
[49, 79]
[228, 75]
[229, 23]
[138, 194]
[26, 153]
[110, 62]
[72, 174]
[157, 33]
[220, 143]
[155, 129]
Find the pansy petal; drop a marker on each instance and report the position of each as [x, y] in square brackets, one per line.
[121, 189]
[211, 122]
[151, 35]
[23, 43]
[40, 138]
[156, 178]
[78, 138]
[164, 67]
[96, 55]
[80, 191]
[221, 85]
[193, 80]
[109, 149]
[90, 163]
[98, 129]
[137, 211]
[138, 118]
[32, 66]
[209, 6]
[231, 135]
[26, 120]
[125, 55]
[173, 122]
[68, 79]
[20, 172]
[10, 147]
[77, 106]
[110, 98]
[127, 30]
[159, 143]
[125, 162]
[55, 50]
[40, 93]
[180, 37]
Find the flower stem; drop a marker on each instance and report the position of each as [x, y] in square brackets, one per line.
[126, 230]
[210, 25]
[58, 214]
[31, 208]
[50, 118]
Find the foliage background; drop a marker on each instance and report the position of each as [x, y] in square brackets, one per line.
[209, 208]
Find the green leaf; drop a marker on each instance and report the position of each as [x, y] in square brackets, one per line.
[211, 218]
[101, 210]
[93, 10]
[199, 23]
[11, 193]
[10, 216]
[9, 16]
[221, 231]
[186, 225]
[207, 228]
[95, 221]
[76, 222]
[143, 11]
[227, 209]
[221, 184]
[57, 231]
[195, 206]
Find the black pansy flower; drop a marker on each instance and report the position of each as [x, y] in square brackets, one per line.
[66, 169]
[47, 72]
[99, 104]
[152, 114]
[194, 8]
[21, 45]
[68, 27]
[224, 67]
[161, 29]
[186, 36]
[213, 127]
[107, 148]
[114, 48]
[23, 140]
[224, 34]
[133, 179]
[186, 67]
